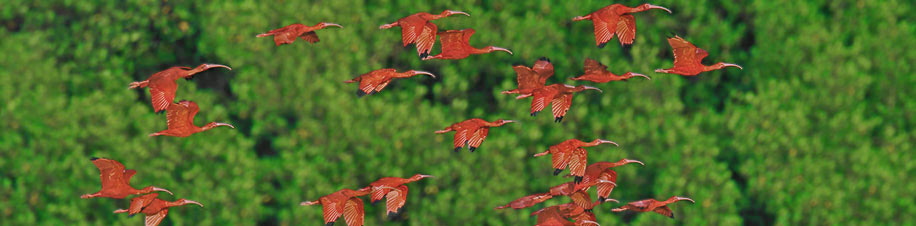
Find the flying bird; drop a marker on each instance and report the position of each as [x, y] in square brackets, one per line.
[417, 29]
[559, 96]
[456, 45]
[375, 81]
[557, 215]
[288, 34]
[345, 202]
[617, 19]
[597, 72]
[154, 208]
[526, 201]
[572, 153]
[472, 132]
[660, 207]
[180, 118]
[601, 176]
[116, 181]
[530, 78]
[396, 197]
[162, 85]
[564, 189]
[687, 59]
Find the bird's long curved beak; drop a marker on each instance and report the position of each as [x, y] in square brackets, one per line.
[589, 87]
[607, 181]
[584, 222]
[634, 161]
[425, 176]
[424, 73]
[502, 49]
[685, 199]
[451, 12]
[208, 66]
[224, 124]
[600, 141]
[509, 121]
[194, 202]
[162, 189]
[733, 65]
[659, 7]
[332, 24]
[308, 203]
[640, 75]
[611, 200]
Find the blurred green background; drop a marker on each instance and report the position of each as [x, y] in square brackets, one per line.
[817, 129]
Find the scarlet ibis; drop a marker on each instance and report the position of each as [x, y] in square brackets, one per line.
[572, 153]
[162, 85]
[154, 208]
[397, 196]
[289, 33]
[375, 81]
[597, 72]
[181, 120]
[600, 175]
[618, 19]
[564, 189]
[116, 181]
[653, 205]
[687, 59]
[526, 201]
[345, 202]
[557, 215]
[472, 132]
[456, 45]
[417, 29]
[530, 78]
[559, 95]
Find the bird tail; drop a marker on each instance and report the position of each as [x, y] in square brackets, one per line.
[264, 35]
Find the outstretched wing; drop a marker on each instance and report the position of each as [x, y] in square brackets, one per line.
[685, 53]
[582, 199]
[544, 69]
[461, 137]
[626, 29]
[540, 100]
[604, 189]
[155, 219]
[664, 210]
[603, 31]
[137, 204]
[594, 67]
[454, 40]
[310, 37]
[560, 105]
[112, 173]
[178, 115]
[427, 39]
[396, 199]
[162, 91]
[411, 27]
[526, 77]
[353, 212]
[560, 159]
[478, 137]
[578, 161]
[331, 211]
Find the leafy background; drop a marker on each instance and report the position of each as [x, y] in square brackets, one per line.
[818, 128]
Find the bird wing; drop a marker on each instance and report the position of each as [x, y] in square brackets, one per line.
[454, 40]
[162, 92]
[526, 77]
[410, 29]
[310, 37]
[177, 116]
[582, 199]
[128, 174]
[137, 204]
[594, 67]
[560, 104]
[540, 100]
[331, 211]
[664, 210]
[478, 137]
[396, 199]
[377, 193]
[641, 205]
[544, 69]
[353, 212]
[578, 161]
[382, 85]
[626, 29]
[604, 189]
[427, 39]
[560, 159]
[685, 53]
[603, 31]
[461, 137]
[111, 172]
[155, 219]
[367, 83]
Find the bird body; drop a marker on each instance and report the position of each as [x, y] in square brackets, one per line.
[116, 181]
[572, 153]
[601, 176]
[394, 189]
[162, 84]
[688, 59]
[616, 19]
[456, 45]
[530, 78]
[557, 215]
[565, 189]
[180, 118]
[559, 96]
[472, 132]
[646, 205]
[375, 81]
[597, 72]
[289, 33]
[345, 202]
[154, 208]
[417, 29]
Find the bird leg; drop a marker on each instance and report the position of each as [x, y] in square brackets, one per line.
[578, 18]
[387, 26]
[308, 203]
[140, 84]
[93, 195]
[120, 211]
[542, 153]
[618, 209]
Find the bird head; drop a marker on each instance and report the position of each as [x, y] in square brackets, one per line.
[204, 67]
[490, 49]
[611, 200]
[608, 182]
[502, 122]
[631, 74]
[678, 198]
[216, 124]
[162, 189]
[721, 65]
[585, 87]
[326, 24]
[418, 176]
[600, 141]
[181, 202]
[628, 161]
[648, 6]
[453, 12]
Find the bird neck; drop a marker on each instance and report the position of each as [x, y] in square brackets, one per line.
[208, 126]
[405, 74]
[196, 70]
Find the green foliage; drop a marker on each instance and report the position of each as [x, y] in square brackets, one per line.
[816, 130]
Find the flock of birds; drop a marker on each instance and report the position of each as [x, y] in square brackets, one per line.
[417, 29]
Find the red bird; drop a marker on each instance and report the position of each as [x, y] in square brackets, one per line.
[597, 72]
[653, 205]
[530, 78]
[572, 153]
[618, 19]
[345, 202]
[162, 85]
[687, 59]
[559, 97]
[417, 29]
[375, 81]
[154, 208]
[456, 45]
[394, 189]
[471, 132]
[564, 189]
[181, 120]
[288, 34]
[116, 181]
[600, 175]
[557, 215]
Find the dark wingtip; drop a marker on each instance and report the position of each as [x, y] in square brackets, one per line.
[360, 93]
[557, 171]
[602, 45]
[534, 113]
[329, 224]
[93, 158]
[472, 149]
[391, 215]
[558, 119]
[457, 149]
[544, 59]
[588, 210]
[373, 92]
[424, 55]
[578, 179]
